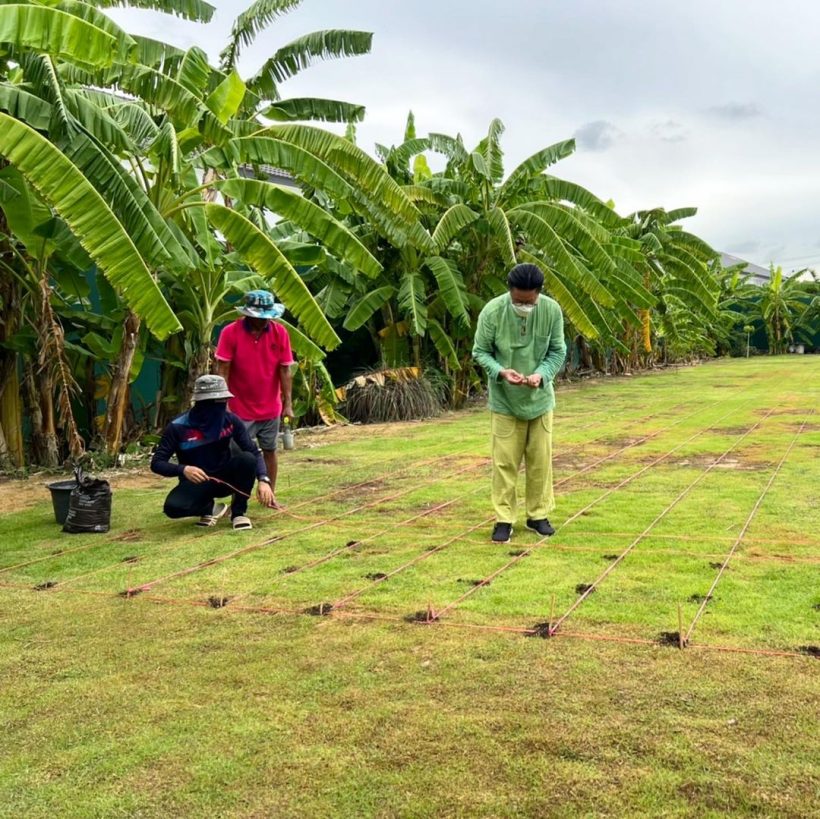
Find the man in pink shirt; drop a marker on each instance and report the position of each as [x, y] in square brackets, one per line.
[254, 356]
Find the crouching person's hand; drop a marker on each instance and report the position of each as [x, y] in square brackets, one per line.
[194, 474]
[264, 495]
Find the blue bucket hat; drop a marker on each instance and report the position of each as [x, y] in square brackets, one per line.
[261, 304]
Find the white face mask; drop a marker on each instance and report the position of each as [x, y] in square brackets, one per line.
[523, 310]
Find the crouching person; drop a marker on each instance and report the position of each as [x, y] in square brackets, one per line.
[201, 440]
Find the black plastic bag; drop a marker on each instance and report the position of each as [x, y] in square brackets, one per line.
[89, 507]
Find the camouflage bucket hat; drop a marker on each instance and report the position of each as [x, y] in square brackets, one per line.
[261, 304]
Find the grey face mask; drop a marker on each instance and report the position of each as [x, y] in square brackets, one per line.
[523, 310]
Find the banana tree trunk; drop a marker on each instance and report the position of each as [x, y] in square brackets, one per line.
[11, 415]
[118, 396]
[11, 418]
[39, 400]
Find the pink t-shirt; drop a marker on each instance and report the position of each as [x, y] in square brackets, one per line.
[254, 377]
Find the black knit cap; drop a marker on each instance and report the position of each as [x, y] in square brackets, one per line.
[525, 277]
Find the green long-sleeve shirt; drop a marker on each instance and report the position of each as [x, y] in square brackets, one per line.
[504, 340]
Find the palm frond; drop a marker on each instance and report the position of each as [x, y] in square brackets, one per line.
[451, 224]
[537, 163]
[197, 11]
[412, 297]
[249, 23]
[451, 287]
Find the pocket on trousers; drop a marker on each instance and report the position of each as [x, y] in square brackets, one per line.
[546, 422]
[503, 426]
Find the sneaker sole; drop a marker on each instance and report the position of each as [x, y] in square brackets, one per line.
[502, 542]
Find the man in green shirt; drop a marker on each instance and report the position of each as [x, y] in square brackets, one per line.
[519, 341]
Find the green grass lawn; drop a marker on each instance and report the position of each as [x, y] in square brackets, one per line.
[157, 704]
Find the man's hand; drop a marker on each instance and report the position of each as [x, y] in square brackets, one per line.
[194, 474]
[287, 410]
[512, 377]
[534, 380]
[264, 494]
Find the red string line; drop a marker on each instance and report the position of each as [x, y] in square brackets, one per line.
[743, 531]
[609, 569]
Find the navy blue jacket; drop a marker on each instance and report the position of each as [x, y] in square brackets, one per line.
[191, 448]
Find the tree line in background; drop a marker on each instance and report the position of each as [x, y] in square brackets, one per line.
[141, 194]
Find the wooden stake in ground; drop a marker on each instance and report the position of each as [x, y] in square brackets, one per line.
[680, 628]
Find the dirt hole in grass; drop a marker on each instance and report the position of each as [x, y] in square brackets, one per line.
[811, 651]
[217, 601]
[609, 558]
[320, 610]
[375, 576]
[669, 638]
[583, 588]
[130, 559]
[816, 606]
[516, 552]
[290, 569]
[351, 543]
[700, 598]
[129, 593]
[541, 630]
[129, 536]
[728, 430]
[356, 492]
[57, 552]
[716, 564]
[46, 584]
[419, 617]
[337, 461]
[471, 582]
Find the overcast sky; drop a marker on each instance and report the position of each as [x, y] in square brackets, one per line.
[711, 103]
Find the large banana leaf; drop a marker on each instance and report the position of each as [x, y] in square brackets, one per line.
[314, 108]
[194, 72]
[562, 294]
[497, 220]
[195, 10]
[24, 106]
[412, 298]
[451, 287]
[255, 248]
[56, 33]
[353, 163]
[225, 99]
[126, 44]
[99, 231]
[537, 164]
[366, 306]
[570, 229]
[249, 23]
[303, 52]
[315, 220]
[565, 191]
[145, 225]
[542, 235]
[443, 343]
[303, 165]
[451, 224]
[490, 148]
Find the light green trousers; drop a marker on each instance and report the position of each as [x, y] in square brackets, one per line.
[513, 440]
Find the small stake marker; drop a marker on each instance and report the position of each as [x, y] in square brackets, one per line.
[680, 628]
[431, 615]
[552, 612]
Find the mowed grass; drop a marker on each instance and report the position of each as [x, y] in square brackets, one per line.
[156, 704]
